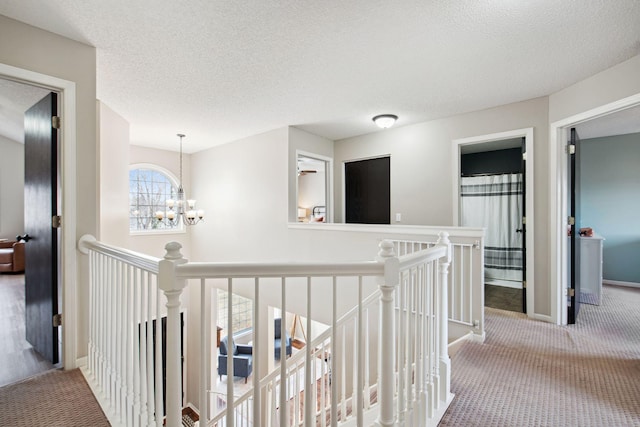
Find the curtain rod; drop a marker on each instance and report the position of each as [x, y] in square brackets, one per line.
[489, 174]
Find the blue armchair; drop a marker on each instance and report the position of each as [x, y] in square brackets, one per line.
[242, 359]
[278, 340]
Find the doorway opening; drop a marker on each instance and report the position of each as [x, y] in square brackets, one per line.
[19, 352]
[313, 188]
[586, 123]
[493, 182]
[65, 338]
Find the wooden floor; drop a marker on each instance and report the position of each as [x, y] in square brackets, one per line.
[503, 298]
[18, 359]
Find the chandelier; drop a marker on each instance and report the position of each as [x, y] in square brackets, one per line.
[181, 209]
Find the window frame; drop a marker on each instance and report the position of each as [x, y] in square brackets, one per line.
[222, 312]
[180, 228]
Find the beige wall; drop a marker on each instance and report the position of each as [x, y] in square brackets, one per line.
[113, 131]
[422, 176]
[610, 85]
[11, 188]
[32, 49]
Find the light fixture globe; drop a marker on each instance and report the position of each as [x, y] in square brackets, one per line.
[385, 121]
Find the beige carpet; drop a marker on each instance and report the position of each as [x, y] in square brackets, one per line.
[55, 398]
[531, 373]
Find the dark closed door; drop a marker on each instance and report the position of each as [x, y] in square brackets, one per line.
[574, 224]
[41, 204]
[368, 191]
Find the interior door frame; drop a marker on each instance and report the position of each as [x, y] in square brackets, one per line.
[328, 185]
[67, 258]
[527, 134]
[558, 209]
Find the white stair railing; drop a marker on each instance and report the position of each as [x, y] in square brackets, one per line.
[410, 377]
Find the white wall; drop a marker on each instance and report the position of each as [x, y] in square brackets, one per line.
[33, 49]
[113, 140]
[11, 188]
[244, 189]
[421, 169]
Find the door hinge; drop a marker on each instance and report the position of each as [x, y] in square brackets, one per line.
[57, 320]
[55, 122]
[571, 149]
[524, 284]
[524, 156]
[524, 220]
[56, 221]
[571, 220]
[572, 292]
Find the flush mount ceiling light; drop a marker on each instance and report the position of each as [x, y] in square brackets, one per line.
[385, 121]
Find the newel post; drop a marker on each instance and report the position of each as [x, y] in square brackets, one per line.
[445, 362]
[387, 333]
[172, 288]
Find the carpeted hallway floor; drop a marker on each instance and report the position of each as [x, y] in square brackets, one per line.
[54, 398]
[531, 373]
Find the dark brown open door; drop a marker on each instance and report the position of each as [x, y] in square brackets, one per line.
[574, 224]
[41, 205]
[523, 227]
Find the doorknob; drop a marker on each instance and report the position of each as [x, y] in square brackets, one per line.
[518, 230]
[26, 237]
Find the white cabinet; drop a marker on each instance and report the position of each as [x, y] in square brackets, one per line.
[591, 269]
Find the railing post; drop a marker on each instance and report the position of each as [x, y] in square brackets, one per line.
[172, 289]
[445, 362]
[387, 331]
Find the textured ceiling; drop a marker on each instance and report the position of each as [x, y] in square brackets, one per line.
[222, 70]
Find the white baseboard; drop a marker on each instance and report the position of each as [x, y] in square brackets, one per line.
[620, 283]
[542, 317]
[81, 362]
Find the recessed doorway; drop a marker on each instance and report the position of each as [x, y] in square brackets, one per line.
[494, 185]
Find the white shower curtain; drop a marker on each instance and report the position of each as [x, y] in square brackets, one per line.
[495, 203]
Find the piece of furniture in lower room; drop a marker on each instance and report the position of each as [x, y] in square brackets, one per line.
[242, 358]
[591, 269]
[11, 257]
[278, 340]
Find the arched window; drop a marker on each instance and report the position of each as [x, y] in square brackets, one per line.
[149, 188]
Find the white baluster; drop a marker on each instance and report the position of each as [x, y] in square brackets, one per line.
[121, 408]
[367, 346]
[334, 354]
[307, 367]
[386, 417]
[359, 367]
[343, 374]
[284, 413]
[136, 347]
[230, 370]
[158, 360]
[257, 371]
[130, 344]
[142, 333]
[150, 361]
